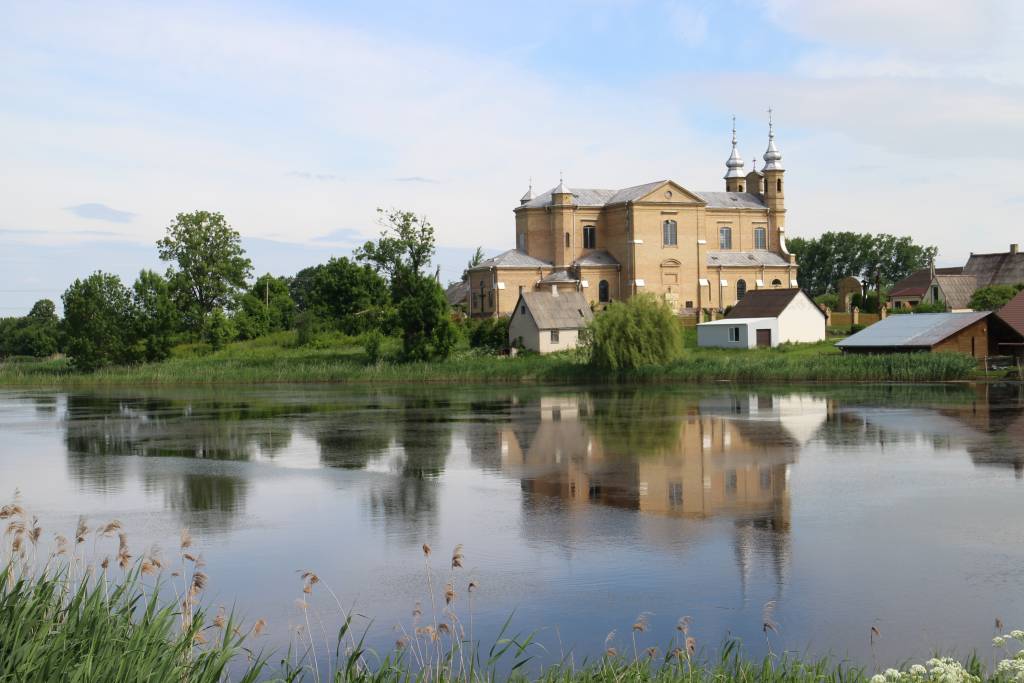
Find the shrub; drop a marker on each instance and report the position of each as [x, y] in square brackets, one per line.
[218, 330]
[373, 343]
[307, 326]
[641, 331]
[425, 318]
[830, 300]
[993, 297]
[488, 333]
[921, 308]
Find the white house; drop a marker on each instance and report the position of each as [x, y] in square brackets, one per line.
[549, 321]
[766, 317]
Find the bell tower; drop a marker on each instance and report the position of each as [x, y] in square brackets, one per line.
[775, 188]
[734, 176]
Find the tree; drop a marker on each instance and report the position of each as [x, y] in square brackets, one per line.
[353, 298]
[267, 307]
[406, 244]
[641, 331]
[211, 266]
[218, 329]
[36, 334]
[880, 259]
[427, 330]
[154, 316]
[98, 322]
[475, 260]
[993, 297]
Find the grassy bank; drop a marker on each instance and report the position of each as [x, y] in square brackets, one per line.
[342, 359]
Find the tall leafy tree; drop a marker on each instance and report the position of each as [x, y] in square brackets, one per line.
[267, 307]
[405, 246]
[423, 313]
[36, 334]
[351, 297]
[98, 322]
[154, 316]
[209, 264]
[993, 297]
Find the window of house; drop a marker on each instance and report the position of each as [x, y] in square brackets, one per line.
[589, 237]
[602, 291]
[935, 293]
[669, 233]
[776, 282]
[741, 289]
[689, 304]
[725, 238]
[522, 310]
[568, 240]
[554, 336]
[734, 334]
[760, 238]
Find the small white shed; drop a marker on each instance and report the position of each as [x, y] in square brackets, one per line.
[549, 321]
[766, 317]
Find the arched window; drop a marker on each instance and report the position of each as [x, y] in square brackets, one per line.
[568, 240]
[741, 187]
[669, 234]
[778, 185]
[741, 289]
[776, 282]
[602, 292]
[725, 238]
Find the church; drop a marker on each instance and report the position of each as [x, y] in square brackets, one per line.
[695, 250]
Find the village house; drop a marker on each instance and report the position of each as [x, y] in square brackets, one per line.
[695, 250]
[766, 318]
[548, 321]
[947, 286]
[979, 334]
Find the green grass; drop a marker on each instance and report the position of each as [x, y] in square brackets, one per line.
[342, 359]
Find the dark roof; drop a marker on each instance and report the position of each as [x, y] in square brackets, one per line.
[557, 276]
[912, 330]
[917, 283]
[596, 258]
[765, 303]
[1006, 268]
[1013, 313]
[566, 311]
[458, 293]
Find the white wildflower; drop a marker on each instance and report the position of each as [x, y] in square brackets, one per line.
[918, 670]
[998, 641]
[878, 678]
[892, 674]
[1017, 634]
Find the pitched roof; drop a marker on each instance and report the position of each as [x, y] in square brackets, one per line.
[912, 330]
[957, 289]
[732, 200]
[917, 283]
[596, 258]
[592, 197]
[1006, 268]
[764, 303]
[567, 311]
[557, 276]
[755, 257]
[1013, 312]
[457, 293]
[513, 258]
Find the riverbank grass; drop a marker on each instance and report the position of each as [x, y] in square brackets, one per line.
[278, 358]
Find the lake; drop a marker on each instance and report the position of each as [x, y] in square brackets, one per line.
[579, 509]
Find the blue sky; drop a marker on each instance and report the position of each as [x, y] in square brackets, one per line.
[297, 120]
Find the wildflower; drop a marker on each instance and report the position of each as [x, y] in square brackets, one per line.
[878, 678]
[918, 670]
[1017, 634]
[892, 674]
[998, 641]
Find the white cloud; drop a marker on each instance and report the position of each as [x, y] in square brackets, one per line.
[689, 23]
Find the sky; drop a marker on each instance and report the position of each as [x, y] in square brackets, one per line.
[298, 120]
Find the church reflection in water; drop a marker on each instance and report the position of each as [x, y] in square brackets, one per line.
[726, 455]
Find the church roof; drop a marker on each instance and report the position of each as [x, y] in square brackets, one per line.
[513, 258]
[556, 277]
[596, 258]
[596, 197]
[755, 257]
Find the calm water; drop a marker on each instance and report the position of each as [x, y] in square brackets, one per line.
[579, 509]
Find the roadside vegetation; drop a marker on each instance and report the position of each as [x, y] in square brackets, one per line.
[85, 608]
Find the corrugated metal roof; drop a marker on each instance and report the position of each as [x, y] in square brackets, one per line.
[513, 258]
[912, 330]
[567, 311]
[582, 196]
[596, 258]
[756, 257]
[732, 200]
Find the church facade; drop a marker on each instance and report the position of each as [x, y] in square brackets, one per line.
[695, 250]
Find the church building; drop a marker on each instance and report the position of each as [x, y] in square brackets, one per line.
[695, 250]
